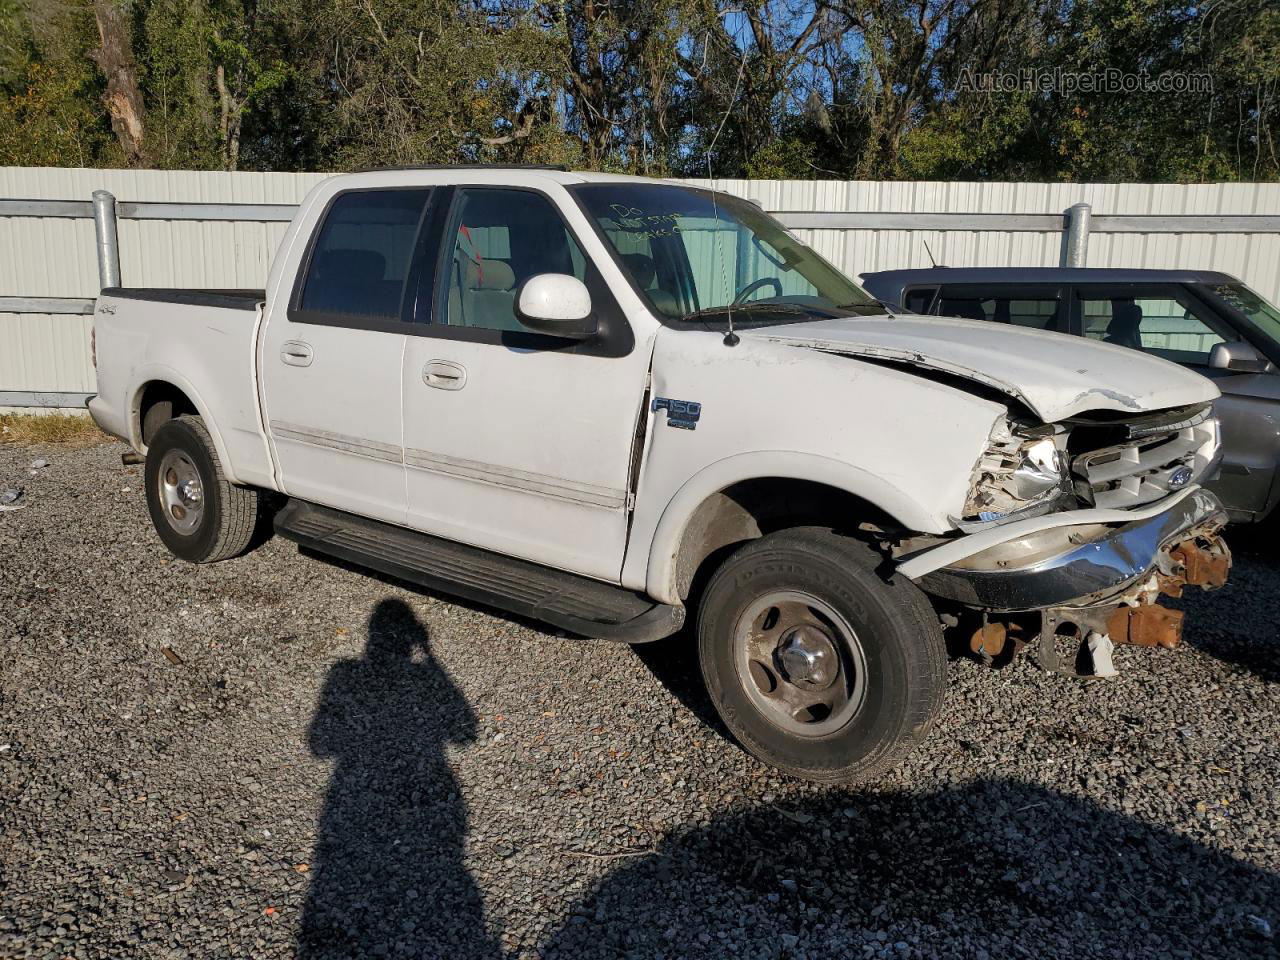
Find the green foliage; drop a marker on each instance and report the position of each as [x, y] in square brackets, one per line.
[789, 159]
[50, 96]
[763, 88]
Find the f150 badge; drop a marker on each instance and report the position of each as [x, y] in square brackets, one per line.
[682, 414]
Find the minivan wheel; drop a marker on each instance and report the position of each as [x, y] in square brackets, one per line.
[816, 664]
[200, 516]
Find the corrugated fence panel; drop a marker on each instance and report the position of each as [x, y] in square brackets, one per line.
[53, 257]
[1253, 257]
[40, 351]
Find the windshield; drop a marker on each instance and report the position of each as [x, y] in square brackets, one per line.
[697, 255]
[1262, 314]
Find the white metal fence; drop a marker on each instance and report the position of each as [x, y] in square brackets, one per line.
[175, 229]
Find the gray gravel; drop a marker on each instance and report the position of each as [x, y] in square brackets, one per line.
[277, 757]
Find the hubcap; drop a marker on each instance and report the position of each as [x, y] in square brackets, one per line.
[181, 493]
[800, 663]
[808, 657]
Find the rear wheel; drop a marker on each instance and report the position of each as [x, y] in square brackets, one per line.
[817, 665]
[198, 513]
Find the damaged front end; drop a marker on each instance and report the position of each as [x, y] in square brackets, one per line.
[1070, 535]
[1077, 638]
[1022, 473]
[1071, 593]
[1078, 641]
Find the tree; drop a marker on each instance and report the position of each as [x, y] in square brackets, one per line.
[51, 110]
[115, 60]
[779, 88]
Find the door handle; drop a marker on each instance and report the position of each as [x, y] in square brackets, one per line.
[444, 375]
[296, 353]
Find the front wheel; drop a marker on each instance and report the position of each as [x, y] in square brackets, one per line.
[200, 516]
[816, 664]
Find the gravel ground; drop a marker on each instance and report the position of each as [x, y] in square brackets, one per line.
[277, 757]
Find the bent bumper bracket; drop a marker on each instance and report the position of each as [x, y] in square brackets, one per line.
[1180, 545]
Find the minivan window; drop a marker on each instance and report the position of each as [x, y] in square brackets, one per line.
[361, 255]
[1022, 308]
[919, 299]
[695, 252]
[1160, 320]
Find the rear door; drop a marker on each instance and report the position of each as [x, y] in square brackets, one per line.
[332, 351]
[514, 441]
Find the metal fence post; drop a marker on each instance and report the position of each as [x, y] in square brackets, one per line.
[1078, 234]
[104, 226]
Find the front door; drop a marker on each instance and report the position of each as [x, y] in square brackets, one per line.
[514, 441]
[332, 354]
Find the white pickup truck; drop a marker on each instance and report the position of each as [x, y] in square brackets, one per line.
[605, 402]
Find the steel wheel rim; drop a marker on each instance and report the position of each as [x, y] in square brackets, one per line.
[800, 663]
[181, 492]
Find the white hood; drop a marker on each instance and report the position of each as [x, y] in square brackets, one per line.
[1054, 374]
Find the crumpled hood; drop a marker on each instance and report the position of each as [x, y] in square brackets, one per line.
[1054, 374]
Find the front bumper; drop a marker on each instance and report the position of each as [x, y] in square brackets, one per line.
[1074, 564]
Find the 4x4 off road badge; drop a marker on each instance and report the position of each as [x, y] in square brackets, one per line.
[682, 414]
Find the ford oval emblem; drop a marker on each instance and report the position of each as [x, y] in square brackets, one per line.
[1179, 478]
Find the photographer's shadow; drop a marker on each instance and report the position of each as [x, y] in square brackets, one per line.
[388, 878]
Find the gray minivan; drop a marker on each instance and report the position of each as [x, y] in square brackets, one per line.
[1209, 322]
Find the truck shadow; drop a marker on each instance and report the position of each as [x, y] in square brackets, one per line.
[999, 867]
[995, 868]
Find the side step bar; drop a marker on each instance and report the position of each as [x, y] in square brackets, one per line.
[574, 603]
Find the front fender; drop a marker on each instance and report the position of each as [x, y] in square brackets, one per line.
[653, 566]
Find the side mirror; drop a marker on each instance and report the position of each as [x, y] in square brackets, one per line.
[1237, 355]
[557, 305]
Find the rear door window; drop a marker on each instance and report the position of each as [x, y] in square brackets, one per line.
[1041, 308]
[361, 258]
[1164, 320]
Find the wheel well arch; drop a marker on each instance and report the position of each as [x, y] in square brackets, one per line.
[157, 401]
[749, 509]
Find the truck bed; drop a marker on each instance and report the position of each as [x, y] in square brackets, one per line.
[201, 342]
[227, 299]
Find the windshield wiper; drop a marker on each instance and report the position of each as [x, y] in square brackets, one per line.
[864, 304]
[747, 307]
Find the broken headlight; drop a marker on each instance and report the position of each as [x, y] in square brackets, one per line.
[1022, 473]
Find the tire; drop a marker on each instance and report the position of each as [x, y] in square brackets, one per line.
[802, 617]
[201, 522]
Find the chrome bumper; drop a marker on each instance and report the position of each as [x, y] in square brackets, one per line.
[1074, 565]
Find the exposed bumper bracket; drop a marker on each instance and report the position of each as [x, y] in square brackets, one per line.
[1181, 545]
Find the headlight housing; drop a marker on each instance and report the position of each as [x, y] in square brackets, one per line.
[1024, 472]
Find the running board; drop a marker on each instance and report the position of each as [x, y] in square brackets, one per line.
[574, 603]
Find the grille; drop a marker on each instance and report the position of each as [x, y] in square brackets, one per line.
[1157, 456]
